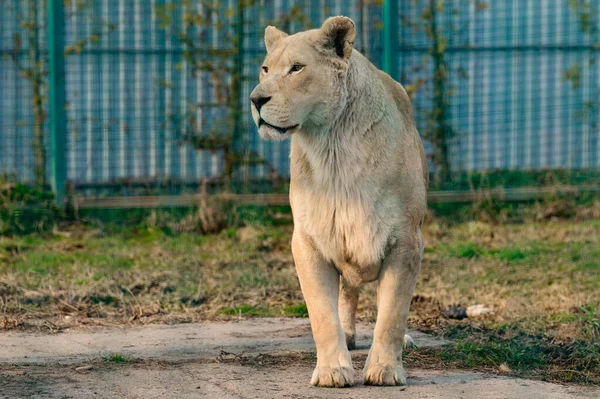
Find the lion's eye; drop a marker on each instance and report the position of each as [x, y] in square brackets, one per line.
[296, 68]
[265, 69]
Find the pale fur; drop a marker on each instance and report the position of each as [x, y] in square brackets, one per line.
[358, 191]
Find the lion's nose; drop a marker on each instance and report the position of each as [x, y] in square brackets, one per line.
[259, 101]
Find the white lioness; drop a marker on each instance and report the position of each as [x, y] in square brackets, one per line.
[358, 190]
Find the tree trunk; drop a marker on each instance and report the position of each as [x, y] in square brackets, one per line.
[441, 129]
[39, 116]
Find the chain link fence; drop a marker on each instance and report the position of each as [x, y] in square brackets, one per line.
[505, 93]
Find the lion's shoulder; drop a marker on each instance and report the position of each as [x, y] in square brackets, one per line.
[404, 106]
[397, 92]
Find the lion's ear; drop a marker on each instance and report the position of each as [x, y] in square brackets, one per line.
[272, 35]
[337, 34]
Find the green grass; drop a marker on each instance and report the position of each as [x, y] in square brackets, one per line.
[465, 250]
[473, 250]
[245, 310]
[585, 257]
[296, 310]
[115, 358]
[511, 255]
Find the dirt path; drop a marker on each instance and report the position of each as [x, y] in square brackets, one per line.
[261, 358]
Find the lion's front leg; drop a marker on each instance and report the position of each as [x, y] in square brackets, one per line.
[394, 293]
[320, 286]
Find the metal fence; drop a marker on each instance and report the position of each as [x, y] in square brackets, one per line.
[157, 91]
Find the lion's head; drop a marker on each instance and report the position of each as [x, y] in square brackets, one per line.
[302, 78]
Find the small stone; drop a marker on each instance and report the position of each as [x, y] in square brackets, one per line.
[409, 343]
[478, 310]
[83, 368]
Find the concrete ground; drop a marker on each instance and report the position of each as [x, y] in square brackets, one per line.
[259, 358]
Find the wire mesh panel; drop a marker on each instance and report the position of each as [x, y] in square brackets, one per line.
[504, 86]
[23, 67]
[157, 91]
[136, 102]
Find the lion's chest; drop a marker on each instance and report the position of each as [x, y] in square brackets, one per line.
[348, 230]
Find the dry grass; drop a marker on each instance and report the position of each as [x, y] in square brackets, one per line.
[143, 276]
[528, 271]
[541, 278]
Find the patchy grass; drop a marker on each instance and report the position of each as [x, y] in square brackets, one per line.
[299, 310]
[115, 358]
[515, 352]
[541, 278]
[246, 310]
[463, 250]
[146, 275]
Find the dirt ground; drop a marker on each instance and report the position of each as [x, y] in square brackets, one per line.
[257, 358]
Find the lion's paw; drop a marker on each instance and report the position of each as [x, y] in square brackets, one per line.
[384, 374]
[337, 377]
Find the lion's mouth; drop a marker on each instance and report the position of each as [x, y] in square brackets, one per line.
[281, 130]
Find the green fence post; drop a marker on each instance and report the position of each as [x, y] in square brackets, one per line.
[238, 76]
[390, 37]
[56, 97]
